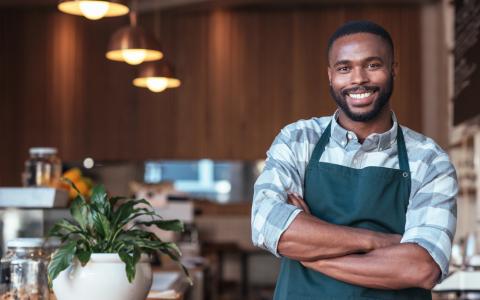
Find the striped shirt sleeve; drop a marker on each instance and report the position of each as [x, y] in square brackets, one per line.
[271, 214]
[431, 215]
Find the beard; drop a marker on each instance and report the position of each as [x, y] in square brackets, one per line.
[382, 100]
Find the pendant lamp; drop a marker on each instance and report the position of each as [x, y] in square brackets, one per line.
[133, 45]
[156, 76]
[93, 10]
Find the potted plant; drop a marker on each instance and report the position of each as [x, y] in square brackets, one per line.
[105, 249]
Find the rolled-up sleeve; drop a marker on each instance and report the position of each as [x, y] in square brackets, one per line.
[432, 213]
[271, 214]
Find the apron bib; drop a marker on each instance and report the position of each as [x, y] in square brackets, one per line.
[374, 198]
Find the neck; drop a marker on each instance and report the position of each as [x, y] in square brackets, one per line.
[381, 124]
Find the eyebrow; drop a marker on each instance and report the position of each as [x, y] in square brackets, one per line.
[346, 61]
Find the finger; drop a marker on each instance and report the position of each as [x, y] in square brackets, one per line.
[299, 203]
[306, 264]
[292, 200]
[305, 207]
[302, 203]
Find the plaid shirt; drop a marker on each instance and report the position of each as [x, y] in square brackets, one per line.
[431, 214]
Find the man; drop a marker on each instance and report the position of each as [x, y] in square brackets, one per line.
[378, 213]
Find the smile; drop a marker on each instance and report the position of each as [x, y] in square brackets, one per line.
[360, 96]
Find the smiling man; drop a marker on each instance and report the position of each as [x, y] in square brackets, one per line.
[357, 206]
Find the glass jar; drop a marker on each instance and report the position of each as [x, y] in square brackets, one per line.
[24, 271]
[43, 168]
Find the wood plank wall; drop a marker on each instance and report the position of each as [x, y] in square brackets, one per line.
[245, 74]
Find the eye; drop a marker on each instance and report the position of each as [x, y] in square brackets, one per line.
[343, 69]
[373, 66]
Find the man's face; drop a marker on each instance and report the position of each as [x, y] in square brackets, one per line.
[361, 75]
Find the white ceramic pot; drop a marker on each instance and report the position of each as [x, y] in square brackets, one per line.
[103, 278]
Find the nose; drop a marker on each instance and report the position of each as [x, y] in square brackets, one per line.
[359, 76]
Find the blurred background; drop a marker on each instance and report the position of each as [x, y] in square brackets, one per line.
[193, 139]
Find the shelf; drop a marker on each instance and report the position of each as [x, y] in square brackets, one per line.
[33, 197]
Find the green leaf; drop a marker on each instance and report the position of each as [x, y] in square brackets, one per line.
[61, 259]
[124, 212]
[65, 230]
[130, 259]
[176, 258]
[146, 244]
[145, 240]
[137, 233]
[63, 227]
[171, 247]
[170, 225]
[114, 200]
[83, 256]
[79, 211]
[70, 183]
[185, 271]
[139, 213]
[83, 253]
[102, 224]
[172, 255]
[99, 200]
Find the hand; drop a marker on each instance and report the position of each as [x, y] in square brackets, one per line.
[382, 240]
[315, 265]
[296, 200]
[308, 264]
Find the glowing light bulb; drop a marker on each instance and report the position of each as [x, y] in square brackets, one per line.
[157, 84]
[134, 56]
[88, 163]
[94, 10]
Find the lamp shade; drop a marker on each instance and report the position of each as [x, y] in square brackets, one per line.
[133, 45]
[156, 76]
[93, 10]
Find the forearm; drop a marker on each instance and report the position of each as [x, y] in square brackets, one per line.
[309, 238]
[395, 267]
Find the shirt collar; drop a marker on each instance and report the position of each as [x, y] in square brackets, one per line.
[375, 141]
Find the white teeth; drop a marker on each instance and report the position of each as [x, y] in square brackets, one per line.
[360, 96]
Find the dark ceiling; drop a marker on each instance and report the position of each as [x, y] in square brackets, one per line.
[145, 5]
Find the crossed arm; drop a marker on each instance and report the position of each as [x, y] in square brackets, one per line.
[356, 256]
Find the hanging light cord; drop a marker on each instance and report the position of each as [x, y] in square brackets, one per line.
[133, 13]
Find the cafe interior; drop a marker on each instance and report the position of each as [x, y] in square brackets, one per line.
[177, 102]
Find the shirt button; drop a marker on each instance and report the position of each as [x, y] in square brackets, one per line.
[350, 136]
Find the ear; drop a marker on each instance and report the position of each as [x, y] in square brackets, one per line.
[329, 71]
[395, 69]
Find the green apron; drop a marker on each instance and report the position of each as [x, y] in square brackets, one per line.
[374, 198]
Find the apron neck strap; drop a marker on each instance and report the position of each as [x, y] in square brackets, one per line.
[325, 138]
[402, 151]
[322, 143]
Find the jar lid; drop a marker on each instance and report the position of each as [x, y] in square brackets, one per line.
[43, 150]
[26, 243]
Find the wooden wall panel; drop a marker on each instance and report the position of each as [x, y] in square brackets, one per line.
[190, 124]
[246, 73]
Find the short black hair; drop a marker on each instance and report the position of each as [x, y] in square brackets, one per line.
[360, 26]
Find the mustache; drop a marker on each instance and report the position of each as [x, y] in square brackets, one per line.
[360, 89]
